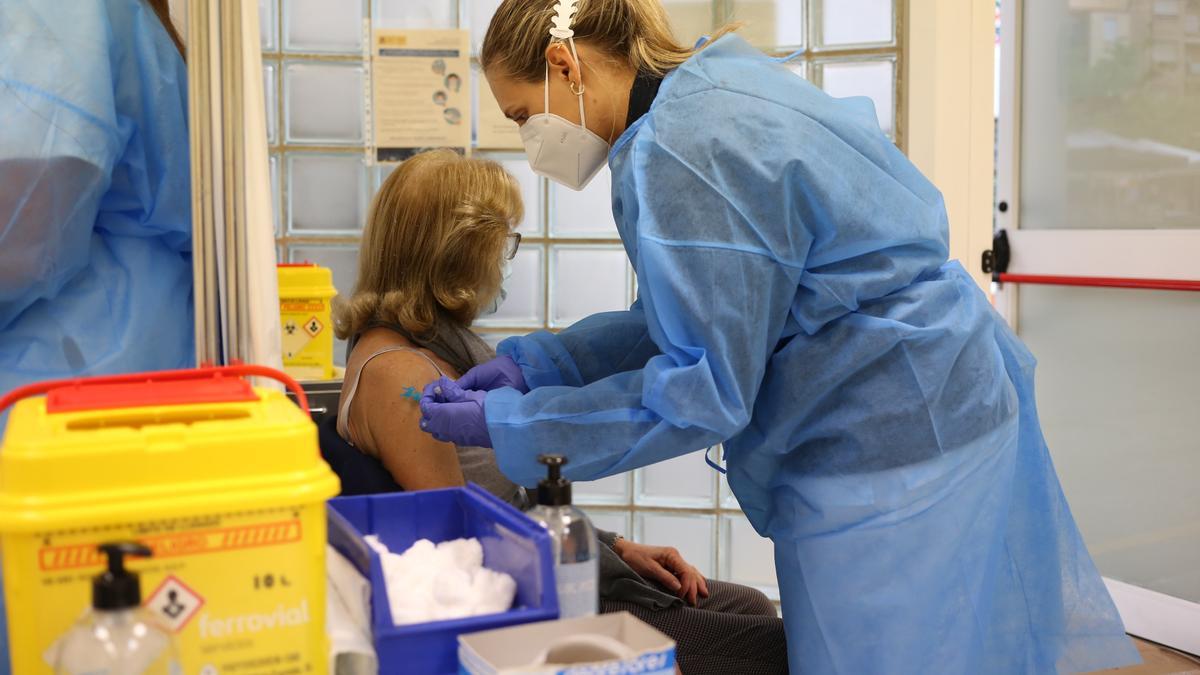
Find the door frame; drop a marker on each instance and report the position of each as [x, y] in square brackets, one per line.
[1131, 258]
[947, 92]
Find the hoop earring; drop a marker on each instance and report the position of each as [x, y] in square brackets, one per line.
[571, 85]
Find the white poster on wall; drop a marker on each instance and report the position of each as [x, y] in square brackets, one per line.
[420, 91]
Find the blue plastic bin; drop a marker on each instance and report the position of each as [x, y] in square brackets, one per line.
[512, 543]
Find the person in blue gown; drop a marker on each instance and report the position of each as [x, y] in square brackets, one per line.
[95, 206]
[797, 306]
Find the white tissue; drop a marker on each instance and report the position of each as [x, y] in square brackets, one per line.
[446, 581]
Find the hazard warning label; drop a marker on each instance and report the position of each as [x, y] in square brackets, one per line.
[176, 544]
[313, 326]
[174, 603]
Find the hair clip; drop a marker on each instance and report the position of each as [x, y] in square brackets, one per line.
[564, 11]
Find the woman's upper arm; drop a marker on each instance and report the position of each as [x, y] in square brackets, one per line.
[391, 413]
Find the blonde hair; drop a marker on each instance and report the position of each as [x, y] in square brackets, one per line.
[432, 244]
[635, 31]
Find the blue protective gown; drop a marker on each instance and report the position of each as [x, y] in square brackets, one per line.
[95, 208]
[877, 414]
[95, 205]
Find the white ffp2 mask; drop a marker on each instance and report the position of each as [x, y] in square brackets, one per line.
[567, 153]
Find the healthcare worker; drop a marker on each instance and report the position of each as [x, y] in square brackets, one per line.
[95, 209]
[796, 305]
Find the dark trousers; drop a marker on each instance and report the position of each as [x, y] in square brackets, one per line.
[735, 630]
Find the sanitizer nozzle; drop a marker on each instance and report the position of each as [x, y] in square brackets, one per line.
[117, 587]
[554, 490]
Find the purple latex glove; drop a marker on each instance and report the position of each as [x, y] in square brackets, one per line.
[452, 414]
[501, 371]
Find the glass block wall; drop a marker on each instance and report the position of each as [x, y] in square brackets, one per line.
[568, 266]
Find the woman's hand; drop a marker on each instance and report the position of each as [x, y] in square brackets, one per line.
[664, 565]
[501, 371]
[454, 415]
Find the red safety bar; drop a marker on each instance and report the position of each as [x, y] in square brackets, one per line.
[125, 397]
[1102, 282]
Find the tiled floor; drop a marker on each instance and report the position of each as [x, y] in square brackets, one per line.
[1158, 660]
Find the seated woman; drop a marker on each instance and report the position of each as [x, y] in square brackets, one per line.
[434, 256]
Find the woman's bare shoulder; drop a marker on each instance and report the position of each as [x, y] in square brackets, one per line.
[407, 356]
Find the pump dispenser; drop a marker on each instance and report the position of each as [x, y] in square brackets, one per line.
[118, 588]
[576, 549]
[116, 636]
[554, 490]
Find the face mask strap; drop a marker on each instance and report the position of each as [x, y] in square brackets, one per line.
[582, 118]
[546, 86]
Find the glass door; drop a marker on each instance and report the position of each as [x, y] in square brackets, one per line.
[1099, 193]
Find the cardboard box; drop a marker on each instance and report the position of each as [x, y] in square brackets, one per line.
[509, 651]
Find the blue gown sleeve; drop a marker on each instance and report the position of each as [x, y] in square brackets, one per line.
[59, 140]
[590, 350]
[44, 235]
[95, 208]
[714, 301]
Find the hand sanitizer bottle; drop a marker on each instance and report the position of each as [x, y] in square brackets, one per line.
[576, 549]
[117, 636]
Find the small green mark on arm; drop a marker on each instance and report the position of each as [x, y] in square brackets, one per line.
[411, 392]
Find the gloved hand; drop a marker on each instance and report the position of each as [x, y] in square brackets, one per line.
[501, 371]
[452, 414]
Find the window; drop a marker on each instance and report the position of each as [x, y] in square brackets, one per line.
[1110, 29]
[1166, 7]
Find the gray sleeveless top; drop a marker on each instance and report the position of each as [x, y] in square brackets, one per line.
[478, 464]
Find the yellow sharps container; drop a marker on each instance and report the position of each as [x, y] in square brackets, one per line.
[221, 480]
[305, 295]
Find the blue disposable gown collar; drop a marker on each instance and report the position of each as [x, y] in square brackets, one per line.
[726, 45]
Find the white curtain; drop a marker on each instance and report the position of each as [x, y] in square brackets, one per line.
[262, 291]
[259, 339]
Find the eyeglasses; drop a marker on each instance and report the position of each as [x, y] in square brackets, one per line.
[511, 244]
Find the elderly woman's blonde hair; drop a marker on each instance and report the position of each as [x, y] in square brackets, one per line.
[433, 244]
[634, 31]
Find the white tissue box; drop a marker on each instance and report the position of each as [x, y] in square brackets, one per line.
[633, 646]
